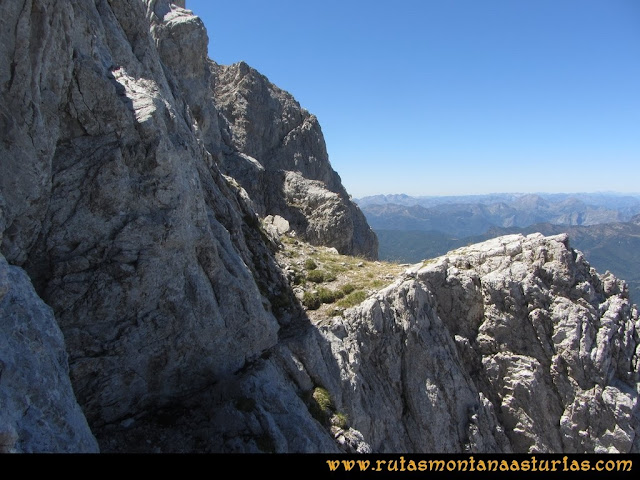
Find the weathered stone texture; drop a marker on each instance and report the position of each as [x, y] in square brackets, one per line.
[143, 250]
[38, 410]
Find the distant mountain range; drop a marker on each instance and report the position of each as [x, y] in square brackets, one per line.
[475, 215]
[605, 227]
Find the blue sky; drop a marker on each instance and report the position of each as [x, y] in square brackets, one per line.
[438, 97]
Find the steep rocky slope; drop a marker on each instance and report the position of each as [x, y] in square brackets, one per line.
[551, 344]
[144, 190]
[511, 345]
[262, 137]
[276, 151]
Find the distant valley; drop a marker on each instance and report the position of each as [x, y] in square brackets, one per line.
[605, 227]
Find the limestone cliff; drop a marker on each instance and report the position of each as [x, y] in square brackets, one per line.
[143, 190]
[276, 151]
[262, 137]
[146, 253]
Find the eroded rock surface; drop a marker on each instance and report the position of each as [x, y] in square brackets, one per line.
[275, 149]
[145, 252]
[552, 344]
[513, 345]
[38, 410]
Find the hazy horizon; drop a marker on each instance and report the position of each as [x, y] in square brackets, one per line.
[606, 192]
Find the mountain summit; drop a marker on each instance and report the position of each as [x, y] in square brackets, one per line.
[164, 221]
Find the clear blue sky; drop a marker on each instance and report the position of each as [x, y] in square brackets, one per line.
[436, 97]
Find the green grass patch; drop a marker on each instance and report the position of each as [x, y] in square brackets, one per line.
[311, 300]
[326, 295]
[353, 299]
[340, 420]
[320, 405]
[316, 276]
[329, 276]
[347, 288]
[323, 399]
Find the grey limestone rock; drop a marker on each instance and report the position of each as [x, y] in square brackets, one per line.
[512, 345]
[273, 145]
[145, 252]
[38, 410]
[260, 135]
[554, 345]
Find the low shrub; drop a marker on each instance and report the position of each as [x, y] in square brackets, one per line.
[323, 399]
[326, 295]
[316, 276]
[340, 420]
[311, 300]
[347, 288]
[329, 276]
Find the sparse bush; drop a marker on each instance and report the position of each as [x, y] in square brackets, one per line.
[322, 409]
[323, 399]
[329, 276]
[320, 405]
[311, 300]
[337, 295]
[347, 288]
[326, 295]
[340, 420]
[309, 264]
[298, 278]
[316, 276]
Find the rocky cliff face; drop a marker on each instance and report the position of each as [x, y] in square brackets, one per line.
[552, 345]
[134, 174]
[276, 151]
[262, 137]
[39, 410]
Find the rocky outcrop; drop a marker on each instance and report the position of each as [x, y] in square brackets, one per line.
[550, 343]
[512, 345]
[152, 260]
[261, 136]
[38, 410]
[275, 149]
[146, 254]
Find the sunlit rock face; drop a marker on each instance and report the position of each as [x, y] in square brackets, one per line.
[552, 344]
[275, 149]
[118, 213]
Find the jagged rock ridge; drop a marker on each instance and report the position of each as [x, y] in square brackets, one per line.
[132, 172]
